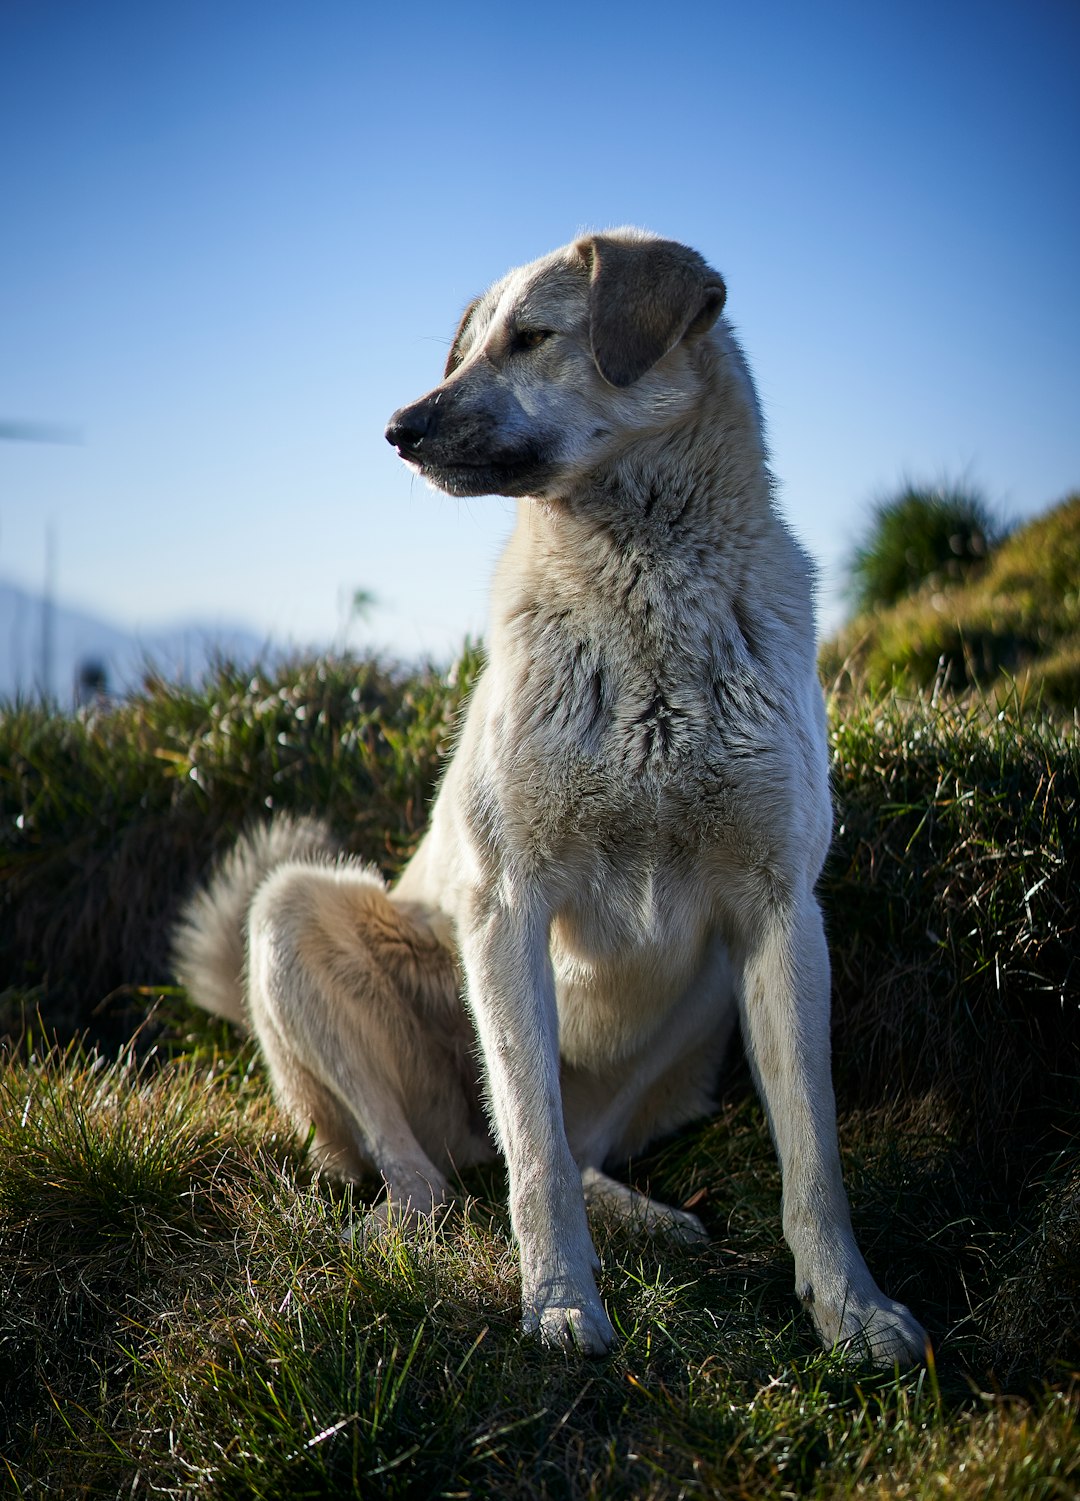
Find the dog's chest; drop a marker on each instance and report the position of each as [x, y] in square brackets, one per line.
[630, 923]
[638, 676]
[631, 884]
[609, 743]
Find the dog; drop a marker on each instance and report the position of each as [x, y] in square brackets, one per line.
[622, 855]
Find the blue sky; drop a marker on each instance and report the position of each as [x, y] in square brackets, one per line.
[237, 235]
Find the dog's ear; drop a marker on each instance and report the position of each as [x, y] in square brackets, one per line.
[644, 296]
[453, 359]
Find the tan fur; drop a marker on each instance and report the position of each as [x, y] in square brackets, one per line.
[622, 855]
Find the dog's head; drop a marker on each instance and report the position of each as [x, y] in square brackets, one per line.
[562, 362]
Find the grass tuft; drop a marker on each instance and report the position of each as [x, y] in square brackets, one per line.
[922, 535]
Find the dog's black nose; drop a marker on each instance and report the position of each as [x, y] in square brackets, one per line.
[408, 427]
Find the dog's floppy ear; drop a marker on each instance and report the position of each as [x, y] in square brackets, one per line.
[644, 296]
[453, 359]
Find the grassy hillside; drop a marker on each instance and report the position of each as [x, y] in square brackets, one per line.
[180, 1315]
[1016, 618]
[108, 817]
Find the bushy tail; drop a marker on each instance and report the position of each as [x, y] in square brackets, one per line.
[210, 935]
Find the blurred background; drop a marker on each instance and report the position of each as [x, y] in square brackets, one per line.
[236, 237]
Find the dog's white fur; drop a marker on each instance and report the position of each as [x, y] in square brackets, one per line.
[622, 855]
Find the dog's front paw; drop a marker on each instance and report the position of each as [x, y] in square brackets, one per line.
[567, 1314]
[582, 1326]
[872, 1329]
[889, 1336]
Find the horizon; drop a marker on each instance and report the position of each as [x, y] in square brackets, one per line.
[237, 241]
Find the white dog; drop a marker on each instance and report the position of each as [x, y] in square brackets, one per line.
[623, 852]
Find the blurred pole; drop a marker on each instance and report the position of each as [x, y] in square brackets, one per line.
[48, 614]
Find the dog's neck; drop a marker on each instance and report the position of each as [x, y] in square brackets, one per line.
[677, 518]
[676, 506]
[683, 489]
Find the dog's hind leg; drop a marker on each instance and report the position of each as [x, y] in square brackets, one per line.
[355, 1004]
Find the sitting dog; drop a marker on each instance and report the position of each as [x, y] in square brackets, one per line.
[622, 855]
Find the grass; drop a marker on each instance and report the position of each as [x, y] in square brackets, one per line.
[1014, 619]
[180, 1314]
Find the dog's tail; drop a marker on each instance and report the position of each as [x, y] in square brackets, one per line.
[210, 937]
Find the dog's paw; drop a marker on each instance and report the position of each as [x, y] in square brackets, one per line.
[640, 1213]
[583, 1327]
[380, 1224]
[890, 1336]
[675, 1224]
[872, 1330]
[376, 1226]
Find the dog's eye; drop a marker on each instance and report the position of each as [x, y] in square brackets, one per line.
[529, 338]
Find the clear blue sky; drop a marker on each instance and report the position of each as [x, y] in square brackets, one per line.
[235, 236]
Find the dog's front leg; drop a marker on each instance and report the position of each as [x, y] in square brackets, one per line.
[785, 1003]
[512, 994]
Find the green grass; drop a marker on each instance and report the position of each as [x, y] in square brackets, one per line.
[180, 1314]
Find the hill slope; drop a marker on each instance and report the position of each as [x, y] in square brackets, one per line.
[1020, 615]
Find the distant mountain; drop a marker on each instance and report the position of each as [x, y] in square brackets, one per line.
[77, 646]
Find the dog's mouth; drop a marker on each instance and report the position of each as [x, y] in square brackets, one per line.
[523, 475]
